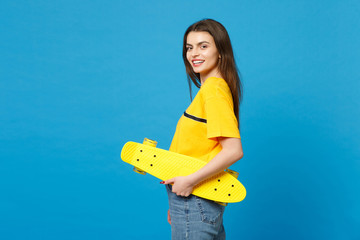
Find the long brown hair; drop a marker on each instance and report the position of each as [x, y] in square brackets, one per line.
[227, 65]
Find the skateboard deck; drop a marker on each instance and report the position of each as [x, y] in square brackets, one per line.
[222, 187]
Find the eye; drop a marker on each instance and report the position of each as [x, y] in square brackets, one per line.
[203, 46]
[188, 48]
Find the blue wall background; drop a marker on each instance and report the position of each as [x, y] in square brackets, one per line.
[81, 78]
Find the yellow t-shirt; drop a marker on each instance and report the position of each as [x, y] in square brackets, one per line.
[210, 115]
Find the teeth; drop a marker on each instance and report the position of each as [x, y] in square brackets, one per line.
[196, 62]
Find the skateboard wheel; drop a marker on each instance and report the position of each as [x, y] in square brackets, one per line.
[150, 142]
[222, 204]
[232, 173]
[137, 170]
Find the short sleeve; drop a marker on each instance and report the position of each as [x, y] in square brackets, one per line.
[221, 120]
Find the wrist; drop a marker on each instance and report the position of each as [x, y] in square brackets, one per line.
[193, 179]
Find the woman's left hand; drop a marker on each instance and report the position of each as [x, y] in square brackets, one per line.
[182, 186]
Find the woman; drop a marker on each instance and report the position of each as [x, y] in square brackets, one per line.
[207, 130]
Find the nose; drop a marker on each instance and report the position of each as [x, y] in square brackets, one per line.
[195, 52]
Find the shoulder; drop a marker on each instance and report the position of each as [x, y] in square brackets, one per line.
[215, 87]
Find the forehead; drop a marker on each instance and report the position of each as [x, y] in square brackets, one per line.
[196, 37]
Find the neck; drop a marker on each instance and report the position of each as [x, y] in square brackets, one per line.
[203, 77]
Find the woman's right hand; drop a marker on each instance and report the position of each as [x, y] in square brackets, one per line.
[168, 217]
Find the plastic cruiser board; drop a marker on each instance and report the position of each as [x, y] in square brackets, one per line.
[146, 158]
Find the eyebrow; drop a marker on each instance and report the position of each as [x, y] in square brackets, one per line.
[198, 43]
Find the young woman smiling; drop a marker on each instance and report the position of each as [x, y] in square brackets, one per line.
[208, 129]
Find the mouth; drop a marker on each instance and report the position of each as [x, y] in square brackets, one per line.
[197, 63]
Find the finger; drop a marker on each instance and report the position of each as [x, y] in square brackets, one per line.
[182, 194]
[169, 218]
[169, 181]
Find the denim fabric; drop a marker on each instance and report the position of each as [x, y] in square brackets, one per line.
[195, 218]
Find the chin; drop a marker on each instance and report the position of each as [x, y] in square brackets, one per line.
[198, 70]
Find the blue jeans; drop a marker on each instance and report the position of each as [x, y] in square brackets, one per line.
[195, 218]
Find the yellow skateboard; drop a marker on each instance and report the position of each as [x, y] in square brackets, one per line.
[222, 188]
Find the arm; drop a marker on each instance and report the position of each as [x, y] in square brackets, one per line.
[230, 153]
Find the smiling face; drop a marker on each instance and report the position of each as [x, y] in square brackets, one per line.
[202, 54]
